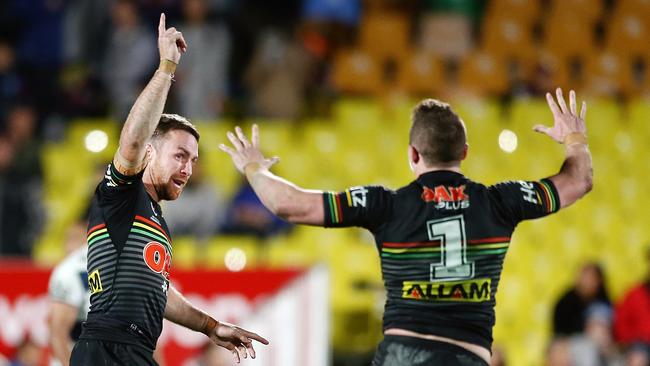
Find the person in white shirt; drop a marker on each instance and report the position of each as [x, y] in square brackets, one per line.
[69, 295]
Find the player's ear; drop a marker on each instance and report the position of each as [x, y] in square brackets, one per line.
[464, 154]
[414, 157]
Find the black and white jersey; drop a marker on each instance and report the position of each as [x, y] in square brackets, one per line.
[129, 258]
[442, 241]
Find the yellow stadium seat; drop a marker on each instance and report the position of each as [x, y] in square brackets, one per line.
[580, 10]
[185, 252]
[384, 35]
[628, 34]
[639, 7]
[232, 252]
[608, 75]
[580, 45]
[281, 252]
[78, 137]
[421, 74]
[357, 72]
[508, 37]
[483, 74]
[525, 10]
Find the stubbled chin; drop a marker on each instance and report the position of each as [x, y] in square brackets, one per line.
[173, 192]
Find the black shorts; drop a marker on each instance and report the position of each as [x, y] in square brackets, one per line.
[410, 351]
[93, 352]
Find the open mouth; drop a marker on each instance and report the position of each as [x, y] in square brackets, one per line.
[178, 183]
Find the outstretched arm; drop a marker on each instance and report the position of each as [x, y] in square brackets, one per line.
[145, 113]
[236, 340]
[575, 178]
[283, 198]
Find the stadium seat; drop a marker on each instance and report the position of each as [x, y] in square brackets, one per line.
[628, 34]
[639, 7]
[524, 10]
[608, 75]
[78, 132]
[579, 10]
[185, 252]
[569, 38]
[420, 74]
[385, 35]
[508, 37]
[483, 74]
[357, 72]
[219, 254]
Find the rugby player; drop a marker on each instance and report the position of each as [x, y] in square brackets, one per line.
[129, 244]
[442, 238]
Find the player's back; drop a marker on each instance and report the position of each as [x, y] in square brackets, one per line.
[442, 241]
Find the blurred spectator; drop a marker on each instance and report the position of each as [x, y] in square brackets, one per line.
[589, 288]
[69, 294]
[27, 354]
[595, 347]
[11, 84]
[559, 352]
[130, 57]
[39, 49]
[632, 320]
[202, 77]
[278, 76]
[247, 215]
[199, 211]
[82, 94]
[21, 211]
[638, 355]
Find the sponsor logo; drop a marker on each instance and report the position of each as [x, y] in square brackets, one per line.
[356, 196]
[95, 282]
[477, 290]
[528, 190]
[157, 258]
[447, 198]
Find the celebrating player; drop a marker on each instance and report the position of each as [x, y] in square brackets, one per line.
[442, 238]
[129, 246]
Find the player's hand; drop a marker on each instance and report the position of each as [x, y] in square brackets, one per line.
[236, 340]
[171, 43]
[566, 120]
[244, 152]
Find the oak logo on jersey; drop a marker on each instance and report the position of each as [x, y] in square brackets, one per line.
[356, 196]
[95, 282]
[447, 198]
[477, 290]
[157, 258]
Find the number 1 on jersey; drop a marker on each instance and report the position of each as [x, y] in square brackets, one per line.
[450, 231]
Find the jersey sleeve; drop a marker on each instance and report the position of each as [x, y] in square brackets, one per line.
[64, 287]
[113, 179]
[367, 206]
[523, 200]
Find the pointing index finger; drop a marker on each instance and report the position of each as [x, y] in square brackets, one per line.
[161, 24]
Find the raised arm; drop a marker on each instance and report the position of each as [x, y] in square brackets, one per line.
[238, 341]
[575, 178]
[145, 113]
[283, 198]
